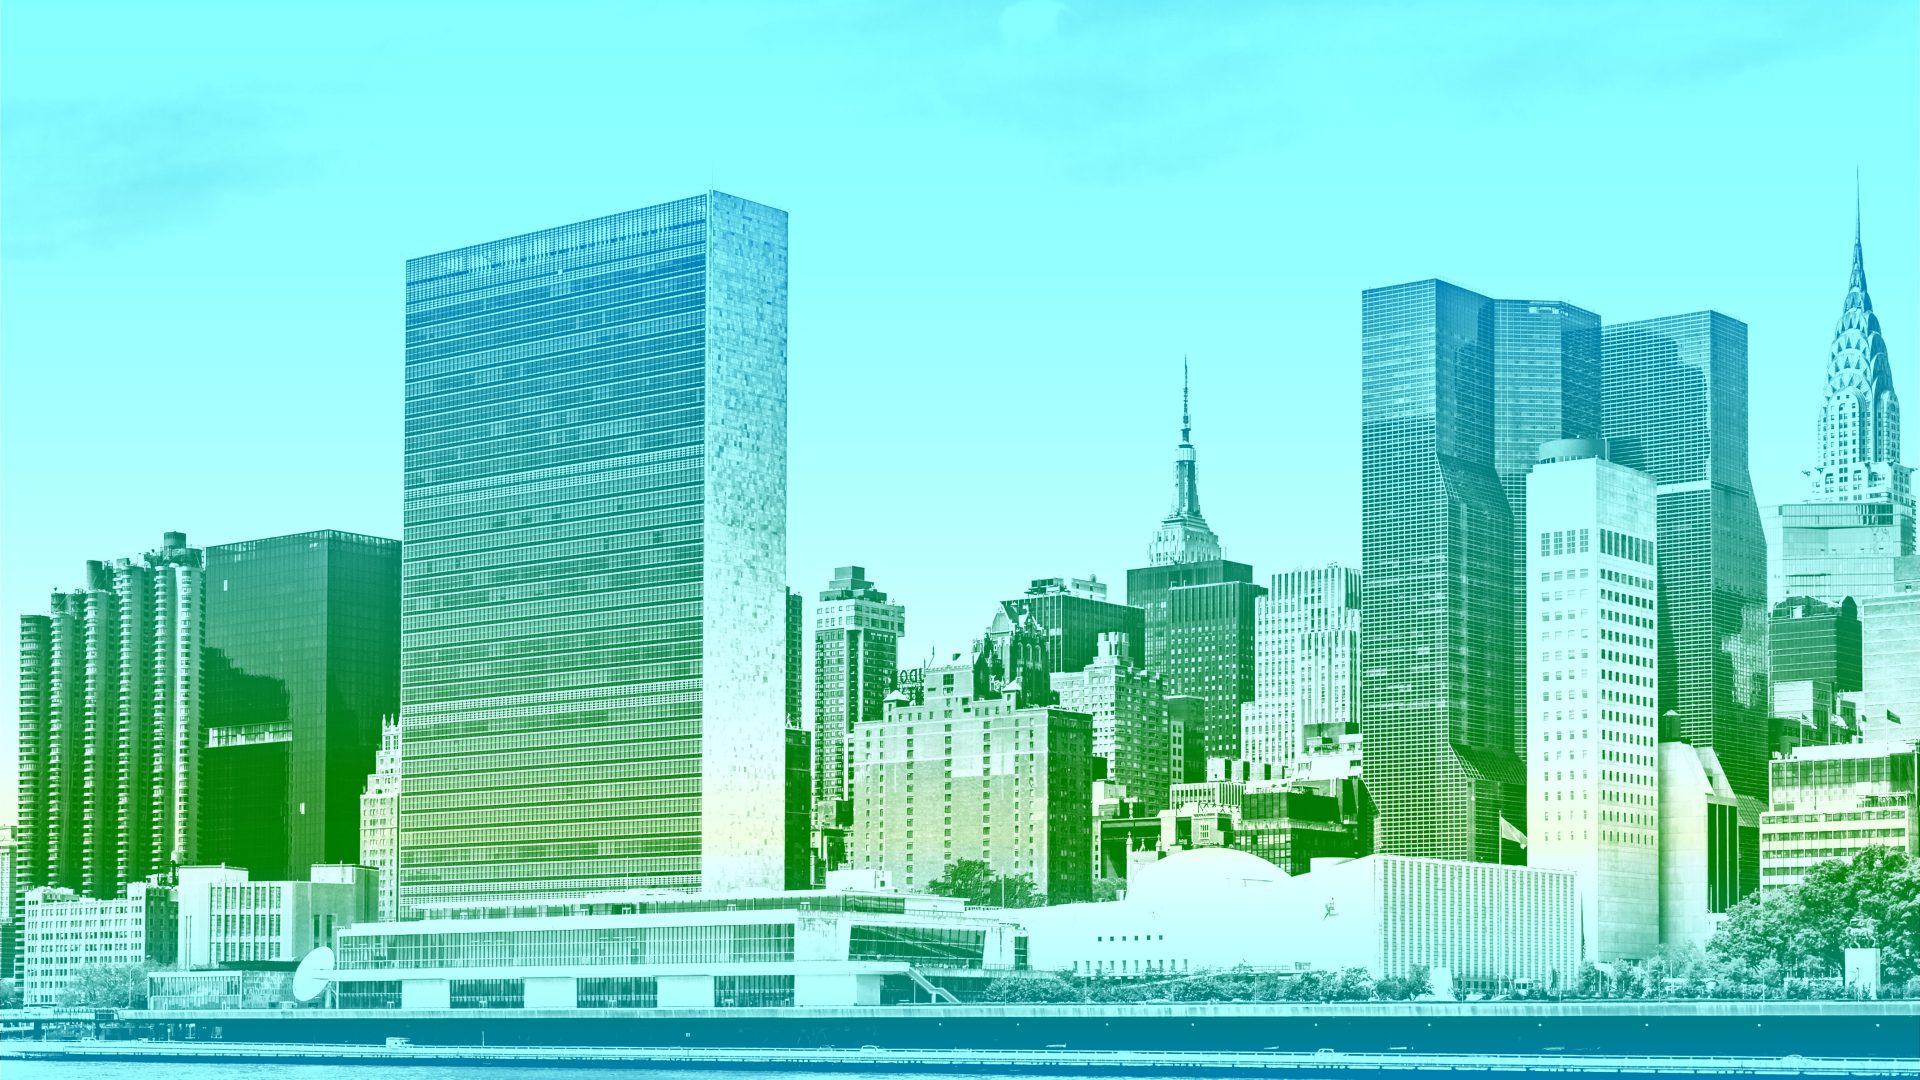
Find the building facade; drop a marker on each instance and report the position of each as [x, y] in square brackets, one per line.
[1210, 656]
[110, 698]
[227, 918]
[1546, 387]
[1889, 640]
[1130, 727]
[1592, 699]
[1017, 780]
[1832, 802]
[1859, 513]
[302, 658]
[1306, 667]
[1813, 661]
[1436, 542]
[595, 508]
[1675, 400]
[65, 933]
[1700, 844]
[380, 820]
[856, 654]
[1072, 615]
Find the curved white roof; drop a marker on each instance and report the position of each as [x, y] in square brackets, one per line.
[1200, 876]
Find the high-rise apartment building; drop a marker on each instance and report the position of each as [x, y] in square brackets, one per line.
[1675, 401]
[1859, 513]
[1130, 729]
[967, 773]
[380, 820]
[1306, 667]
[856, 654]
[110, 725]
[593, 641]
[1832, 802]
[302, 658]
[1593, 770]
[1546, 386]
[1436, 640]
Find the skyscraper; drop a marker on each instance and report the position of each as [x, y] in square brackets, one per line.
[302, 662]
[593, 640]
[1813, 657]
[1593, 763]
[1436, 642]
[380, 819]
[796, 627]
[110, 725]
[1210, 656]
[1184, 550]
[1130, 728]
[1306, 666]
[1675, 400]
[1546, 386]
[1072, 615]
[856, 654]
[1859, 513]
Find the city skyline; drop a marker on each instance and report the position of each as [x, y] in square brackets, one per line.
[1245, 366]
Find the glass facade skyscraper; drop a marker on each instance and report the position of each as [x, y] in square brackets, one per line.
[1436, 640]
[593, 644]
[302, 662]
[1675, 399]
[1546, 386]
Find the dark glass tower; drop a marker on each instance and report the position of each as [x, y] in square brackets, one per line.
[302, 662]
[1436, 639]
[1546, 386]
[1210, 656]
[593, 648]
[1675, 399]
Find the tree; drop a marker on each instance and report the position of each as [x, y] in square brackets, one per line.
[9, 994]
[1352, 984]
[108, 986]
[1872, 901]
[974, 881]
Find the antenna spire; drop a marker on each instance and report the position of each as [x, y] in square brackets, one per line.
[1856, 206]
[1186, 416]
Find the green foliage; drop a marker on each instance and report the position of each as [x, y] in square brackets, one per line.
[974, 881]
[1871, 902]
[9, 994]
[108, 986]
[1415, 983]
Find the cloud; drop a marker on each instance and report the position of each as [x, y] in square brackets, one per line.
[90, 174]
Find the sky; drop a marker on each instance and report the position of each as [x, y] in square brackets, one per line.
[1008, 225]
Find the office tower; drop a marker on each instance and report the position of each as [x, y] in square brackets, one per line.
[1675, 402]
[1889, 640]
[1129, 710]
[796, 626]
[1186, 739]
[1831, 802]
[1593, 774]
[1813, 657]
[1436, 641]
[797, 828]
[856, 653]
[302, 661]
[593, 641]
[11, 897]
[1073, 614]
[1859, 513]
[1210, 656]
[1306, 667]
[1184, 550]
[380, 819]
[970, 774]
[68, 932]
[110, 725]
[1546, 386]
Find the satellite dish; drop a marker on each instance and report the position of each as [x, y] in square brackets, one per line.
[310, 979]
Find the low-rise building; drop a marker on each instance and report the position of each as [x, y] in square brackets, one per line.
[65, 933]
[1490, 927]
[226, 919]
[1830, 802]
[678, 950]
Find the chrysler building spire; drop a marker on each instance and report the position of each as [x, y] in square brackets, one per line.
[1860, 418]
[1183, 537]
